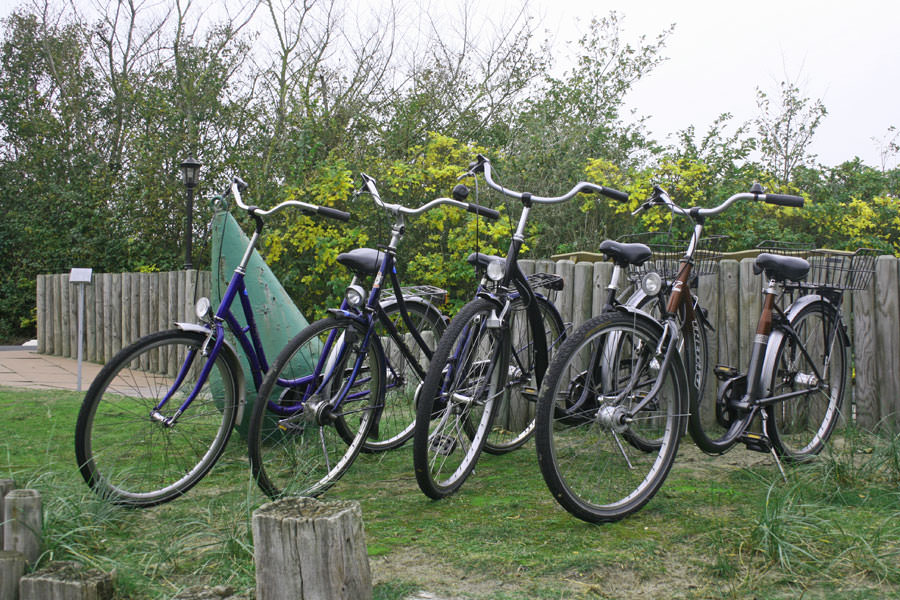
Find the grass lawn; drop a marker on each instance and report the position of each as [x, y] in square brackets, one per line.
[720, 527]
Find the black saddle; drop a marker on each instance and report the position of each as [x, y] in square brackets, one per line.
[625, 254]
[362, 260]
[781, 268]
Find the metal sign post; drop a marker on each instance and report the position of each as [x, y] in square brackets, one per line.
[81, 278]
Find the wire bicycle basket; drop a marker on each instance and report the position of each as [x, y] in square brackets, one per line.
[668, 252]
[834, 269]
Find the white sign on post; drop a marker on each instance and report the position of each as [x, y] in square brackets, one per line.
[80, 277]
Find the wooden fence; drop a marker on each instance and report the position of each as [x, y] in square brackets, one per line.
[123, 307]
[118, 309]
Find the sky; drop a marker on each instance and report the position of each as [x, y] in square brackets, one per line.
[846, 54]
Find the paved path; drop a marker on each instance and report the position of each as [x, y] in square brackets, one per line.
[24, 367]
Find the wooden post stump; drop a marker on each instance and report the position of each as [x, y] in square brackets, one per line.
[6, 486]
[66, 580]
[12, 567]
[306, 549]
[22, 522]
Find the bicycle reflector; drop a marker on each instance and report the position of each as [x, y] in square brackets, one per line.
[651, 283]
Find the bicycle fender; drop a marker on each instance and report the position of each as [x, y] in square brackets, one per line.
[234, 363]
[777, 335]
[491, 298]
[349, 314]
[627, 308]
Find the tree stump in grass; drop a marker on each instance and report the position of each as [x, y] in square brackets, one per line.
[306, 549]
[12, 567]
[22, 523]
[66, 580]
[6, 486]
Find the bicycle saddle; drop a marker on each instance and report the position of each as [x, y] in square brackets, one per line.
[362, 260]
[781, 268]
[625, 254]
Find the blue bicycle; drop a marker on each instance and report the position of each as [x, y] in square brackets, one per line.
[159, 415]
[350, 382]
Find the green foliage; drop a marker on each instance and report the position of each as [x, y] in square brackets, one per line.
[98, 111]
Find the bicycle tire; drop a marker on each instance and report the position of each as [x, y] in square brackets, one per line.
[305, 447]
[397, 420]
[456, 402]
[800, 427]
[587, 468]
[515, 410]
[132, 459]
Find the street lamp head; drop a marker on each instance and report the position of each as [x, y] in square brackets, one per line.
[190, 169]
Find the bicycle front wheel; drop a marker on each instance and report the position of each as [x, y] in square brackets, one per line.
[315, 408]
[465, 378]
[814, 363]
[605, 439]
[394, 426]
[125, 451]
[514, 410]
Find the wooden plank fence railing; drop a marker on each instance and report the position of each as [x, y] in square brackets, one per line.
[118, 309]
[122, 307]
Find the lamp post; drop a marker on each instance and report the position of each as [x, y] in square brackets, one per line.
[190, 170]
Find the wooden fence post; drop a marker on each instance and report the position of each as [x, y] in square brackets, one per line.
[582, 293]
[887, 336]
[66, 580]
[12, 567]
[22, 523]
[306, 549]
[6, 486]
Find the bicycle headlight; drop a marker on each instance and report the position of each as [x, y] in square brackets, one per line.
[651, 283]
[355, 295]
[203, 309]
[495, 270]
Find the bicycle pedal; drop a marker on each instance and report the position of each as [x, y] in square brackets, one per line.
[530, 394]
[757, 442]
[725, 372]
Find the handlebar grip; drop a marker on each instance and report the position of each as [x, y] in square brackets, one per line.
[333, 213]
[615, 194]
[242, 185]
[477, 165]
[783, 200]
[484, 211]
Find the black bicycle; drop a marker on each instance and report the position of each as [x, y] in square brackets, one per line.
[484, 364]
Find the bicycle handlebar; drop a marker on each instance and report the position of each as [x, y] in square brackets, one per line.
[369, 184]
[660, 196]
[483, 165]
[238, 185]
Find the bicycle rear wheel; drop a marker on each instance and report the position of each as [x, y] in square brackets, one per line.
[799, 427]
[515, 409]
[600, 459]
[465, 378]
[315, 409]
[394, 426]
[133, 459]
